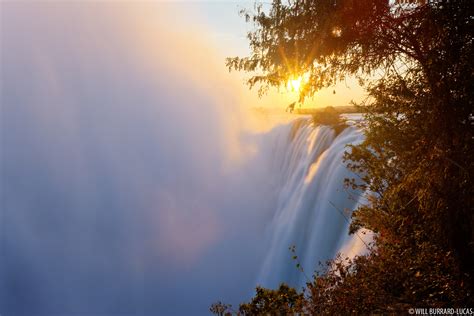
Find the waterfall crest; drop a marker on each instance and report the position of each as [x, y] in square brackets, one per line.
[313, 207]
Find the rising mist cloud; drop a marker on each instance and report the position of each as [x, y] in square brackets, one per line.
[120, 190]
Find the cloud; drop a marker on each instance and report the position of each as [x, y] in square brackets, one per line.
[125, 186]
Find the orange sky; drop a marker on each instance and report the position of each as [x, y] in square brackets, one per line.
[226, 30]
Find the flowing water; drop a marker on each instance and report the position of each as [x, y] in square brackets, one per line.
[313, 207]
[128, 184]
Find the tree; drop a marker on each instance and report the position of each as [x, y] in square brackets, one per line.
[283, 301]
[416, 61]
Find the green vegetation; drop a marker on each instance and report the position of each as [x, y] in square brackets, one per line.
[340, 109]
[284, 301]
[328, 116]
[416, 62]
[331, 117]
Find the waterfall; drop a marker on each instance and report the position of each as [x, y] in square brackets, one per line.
[128, 180]
[313, 207]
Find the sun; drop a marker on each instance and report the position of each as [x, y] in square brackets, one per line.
[295, 84]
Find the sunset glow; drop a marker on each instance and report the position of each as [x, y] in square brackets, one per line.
[294, 85]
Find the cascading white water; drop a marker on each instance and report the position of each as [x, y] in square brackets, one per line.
[126, 183]
[313, 206]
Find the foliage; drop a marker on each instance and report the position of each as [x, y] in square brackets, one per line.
[331, 117]
[417, 159]
[328, 116]
[327, 40]
[283, 301]
[389, 280]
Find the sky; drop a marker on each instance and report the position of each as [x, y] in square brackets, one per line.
[228, 31]
[133, 180]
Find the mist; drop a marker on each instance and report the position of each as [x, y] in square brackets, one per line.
[130, 184]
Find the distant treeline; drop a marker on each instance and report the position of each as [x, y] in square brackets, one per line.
[339, 109]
